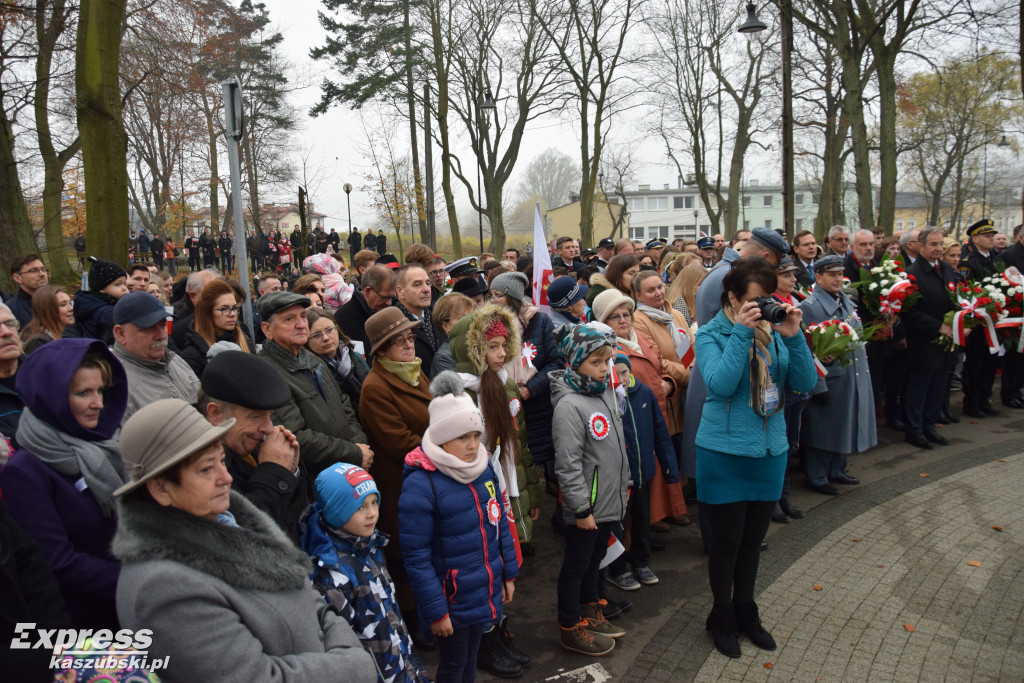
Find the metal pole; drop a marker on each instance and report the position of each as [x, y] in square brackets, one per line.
[984, 178]
[234, 127]
[479, 199]
[787, 120]
[348, 202]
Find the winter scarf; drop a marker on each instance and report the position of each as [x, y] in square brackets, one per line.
[759, 360]
[663, 318]
[407, 371]
[98, 462]
[435, 457]
[254, 556]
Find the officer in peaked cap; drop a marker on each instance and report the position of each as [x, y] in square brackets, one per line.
[463, 268]
[980, 366]
[706, 248]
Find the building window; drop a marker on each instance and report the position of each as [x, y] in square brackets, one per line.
[746, 226]
[799, 224]
[798, 199]
[767, 200]
[912, 224]
[687, 202]
[657, 231]
[635, 204]
[705, 228]
[636, 233]
[657, 203]
[899, 224]
[767, 225]
[677, 202]
[746, 202]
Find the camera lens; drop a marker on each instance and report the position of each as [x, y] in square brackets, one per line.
[771, 311]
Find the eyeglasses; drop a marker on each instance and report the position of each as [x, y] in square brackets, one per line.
[497, 295]
[436, 273]
[620, 316]
[386, 299]
[404, 340]
[12, 324]
[228, 310]
[332, 330]
[35, 271]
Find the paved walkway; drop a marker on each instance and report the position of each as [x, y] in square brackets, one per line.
[891, 594]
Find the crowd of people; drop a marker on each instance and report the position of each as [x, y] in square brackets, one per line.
[358, 477]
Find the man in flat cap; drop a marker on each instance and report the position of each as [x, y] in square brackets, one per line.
[840, 417]
[979, 365]
[318, 413]
[262, 458]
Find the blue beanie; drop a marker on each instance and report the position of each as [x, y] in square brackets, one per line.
[620, 357]
[341, 490]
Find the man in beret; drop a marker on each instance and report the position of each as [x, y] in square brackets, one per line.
[140, 343]
[318, 413]
[262, 458]
[979, 365]
[840, 417]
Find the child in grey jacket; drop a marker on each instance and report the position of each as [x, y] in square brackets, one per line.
[593, 474]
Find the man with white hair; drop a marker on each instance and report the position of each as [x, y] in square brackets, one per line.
[910, 247]
[838, 241]
[10, 357]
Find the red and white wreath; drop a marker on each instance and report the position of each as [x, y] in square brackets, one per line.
[529, 352]
[599, 426]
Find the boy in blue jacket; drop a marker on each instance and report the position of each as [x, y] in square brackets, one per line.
[647, 437]
[339, 531]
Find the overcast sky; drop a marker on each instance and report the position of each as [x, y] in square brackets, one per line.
[338, 133]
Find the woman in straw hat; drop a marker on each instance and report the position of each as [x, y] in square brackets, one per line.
[194, 552]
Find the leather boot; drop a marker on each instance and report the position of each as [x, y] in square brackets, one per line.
[722, 625]
[945, 416]
[748, 621]
[787, 506]
[521, 658]
[494, 658]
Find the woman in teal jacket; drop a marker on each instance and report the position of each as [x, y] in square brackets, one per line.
[741, 441]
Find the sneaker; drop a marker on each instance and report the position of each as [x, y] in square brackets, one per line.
[625, 581]
[578, 639]
[593, 614]
[645, 576]
[615, 607]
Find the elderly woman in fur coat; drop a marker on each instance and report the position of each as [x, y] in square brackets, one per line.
[224, 592]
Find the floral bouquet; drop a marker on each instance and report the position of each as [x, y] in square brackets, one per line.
[1010, 284]
[837, 340]
[886, 289]
[977, 305]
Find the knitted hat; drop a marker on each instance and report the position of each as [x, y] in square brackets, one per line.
[495, 329]
[577, 342]
[514, 285]
[452, 412]
[607, 301]
[624, 359]
[341, 490]
[103, 272]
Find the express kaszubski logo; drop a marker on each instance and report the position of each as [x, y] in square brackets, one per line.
[101, 649]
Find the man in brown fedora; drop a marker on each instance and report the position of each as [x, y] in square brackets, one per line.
[318, 413]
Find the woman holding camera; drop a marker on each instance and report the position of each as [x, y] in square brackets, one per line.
[741, 440]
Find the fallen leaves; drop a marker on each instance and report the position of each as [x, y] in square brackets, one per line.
[1000, 460]
[881, 566]
[909, 627]
[974, 563]
[974, 422]
[997, 528]
[769, 665]
[816, 586]
[925, 475]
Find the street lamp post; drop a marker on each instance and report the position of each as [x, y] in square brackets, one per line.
[348, 201]
[485, 107]
[696, 227]
[751, 27]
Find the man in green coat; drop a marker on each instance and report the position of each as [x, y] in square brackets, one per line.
[319, 414]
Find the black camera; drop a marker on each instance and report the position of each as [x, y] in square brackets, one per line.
[771, 310]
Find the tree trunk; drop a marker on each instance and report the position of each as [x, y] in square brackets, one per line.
[885, 69]
[853, 110]
[211, 132]
[15, 229]
[101, 127]
[421, 211]
[47, 34]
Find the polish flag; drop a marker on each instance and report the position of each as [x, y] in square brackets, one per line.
[685, 348]
[541, 262]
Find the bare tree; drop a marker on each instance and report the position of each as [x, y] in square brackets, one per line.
[592, 39]
[549, 178]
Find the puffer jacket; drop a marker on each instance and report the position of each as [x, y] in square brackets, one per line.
[350, 573]
[468, 349]
[456, 556]
[540, 333]
[94, 315]
[647, 437]
[593, 470]
[728, 424]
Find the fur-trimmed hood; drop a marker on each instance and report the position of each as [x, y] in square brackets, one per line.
[257, 556]
[599, 280]
[467, 341]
